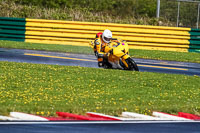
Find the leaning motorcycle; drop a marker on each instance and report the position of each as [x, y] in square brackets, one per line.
[117, 56]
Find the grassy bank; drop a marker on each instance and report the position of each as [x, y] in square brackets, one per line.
[142, 12]
[148, 54]
[45, 89]
[90, 11]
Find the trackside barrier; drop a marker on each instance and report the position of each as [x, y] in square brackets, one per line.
[79, 117]
[139, 116]
[188, 116]
[99, 115]
[79, 33]
[168, 116]
[8, 118]
[24, 116]
[93, 116]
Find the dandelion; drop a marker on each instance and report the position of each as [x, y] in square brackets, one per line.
[125, 109]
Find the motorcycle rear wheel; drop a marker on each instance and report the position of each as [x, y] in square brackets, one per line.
[131, 65]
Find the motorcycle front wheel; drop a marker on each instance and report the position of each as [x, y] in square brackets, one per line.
[107, 65]
[131, 65]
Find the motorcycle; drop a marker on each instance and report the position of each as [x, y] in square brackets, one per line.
[117, 56]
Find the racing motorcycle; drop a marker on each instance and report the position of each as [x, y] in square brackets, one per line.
[117, 56]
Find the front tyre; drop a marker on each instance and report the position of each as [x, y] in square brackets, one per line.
[107, 65]
[131, 65]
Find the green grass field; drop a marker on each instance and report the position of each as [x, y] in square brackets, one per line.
[44, 89]
[148, 54]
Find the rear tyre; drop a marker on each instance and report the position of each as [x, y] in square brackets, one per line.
[131, 65]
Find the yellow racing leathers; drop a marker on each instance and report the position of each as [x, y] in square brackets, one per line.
[99, 49]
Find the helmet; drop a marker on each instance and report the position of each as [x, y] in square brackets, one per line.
[107, 36]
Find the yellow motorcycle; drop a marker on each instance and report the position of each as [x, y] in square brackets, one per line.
[117, 55]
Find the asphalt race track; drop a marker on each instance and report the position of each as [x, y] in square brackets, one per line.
[68, 59]
[101, 127]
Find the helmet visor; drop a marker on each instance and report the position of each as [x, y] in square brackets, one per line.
[107, 39]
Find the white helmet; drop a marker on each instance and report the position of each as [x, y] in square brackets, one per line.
[107, 36]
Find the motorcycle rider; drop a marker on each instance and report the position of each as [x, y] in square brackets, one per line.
[101, 41]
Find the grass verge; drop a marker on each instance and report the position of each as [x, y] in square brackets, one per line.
[44, 89]
[147, 54]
